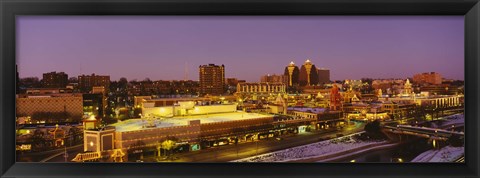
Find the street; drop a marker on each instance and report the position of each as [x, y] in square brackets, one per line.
[242, 150]
[51, 155]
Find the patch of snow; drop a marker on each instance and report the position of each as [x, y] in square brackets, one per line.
[454, 119]
[305, 109]
[312, 150]
[445, 154]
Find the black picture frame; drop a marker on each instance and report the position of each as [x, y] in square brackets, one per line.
[9, 9]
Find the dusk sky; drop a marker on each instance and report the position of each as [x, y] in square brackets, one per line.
[158, 47]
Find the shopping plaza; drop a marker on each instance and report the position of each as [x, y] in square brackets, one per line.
[195, 125]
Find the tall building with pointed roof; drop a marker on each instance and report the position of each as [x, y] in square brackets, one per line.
[308, 74]
[407, 88]
[292, 72]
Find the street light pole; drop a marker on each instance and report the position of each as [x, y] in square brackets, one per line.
[256, 150]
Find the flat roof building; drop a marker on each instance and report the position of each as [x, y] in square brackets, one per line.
[45, 107]
[87, 82]
[430, 78]
[212, 79]
[55, 80]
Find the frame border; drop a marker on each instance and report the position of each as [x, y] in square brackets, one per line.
[11, 8]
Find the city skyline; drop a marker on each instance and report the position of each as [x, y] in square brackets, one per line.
[160, 48]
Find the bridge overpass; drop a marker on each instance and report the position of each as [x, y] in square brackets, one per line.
[425, 132]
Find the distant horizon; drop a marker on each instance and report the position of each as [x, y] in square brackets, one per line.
[164, 47]
[394, 78]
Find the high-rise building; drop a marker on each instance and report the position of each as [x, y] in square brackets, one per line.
[430, 78]
[323, 76]
[87, 82]
[274, 78]
[292, 72]
[212, 79]
[55, 80]
[308, 74]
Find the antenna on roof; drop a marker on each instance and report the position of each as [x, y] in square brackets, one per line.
[186, 72]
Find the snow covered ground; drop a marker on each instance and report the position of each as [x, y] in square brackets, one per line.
[454, 119]
[305, 109]
[323, 148]
[446, 154]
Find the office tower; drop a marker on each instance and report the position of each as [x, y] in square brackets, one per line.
[212, 79]
[308, 74]
[292, 72]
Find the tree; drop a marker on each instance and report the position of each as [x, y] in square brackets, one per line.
[168, 145]
[30, 82]
[72, 80]
[123, 81]
[455, 141]
[38, 140]
[75, 135]
[419, 113]
[373, 129]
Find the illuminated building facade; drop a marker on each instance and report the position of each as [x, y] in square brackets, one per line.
[335, 98]
[443, 89]
[31, 106]
[93, 104]
[258, 88]
[197, 131]
[274, 79]
[292, 72]
[212, 79]
[163, 87]
[434, 101]
[47, 91]
[407, 89]
[308, 74]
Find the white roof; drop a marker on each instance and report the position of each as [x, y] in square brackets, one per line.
[136, 124]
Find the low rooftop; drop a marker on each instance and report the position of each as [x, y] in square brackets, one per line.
[136, 124]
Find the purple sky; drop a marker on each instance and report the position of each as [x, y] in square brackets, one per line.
[158, 47]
